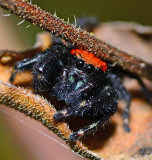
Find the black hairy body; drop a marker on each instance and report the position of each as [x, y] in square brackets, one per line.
[88, 91]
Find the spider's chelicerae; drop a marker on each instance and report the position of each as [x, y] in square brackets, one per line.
[88, 85]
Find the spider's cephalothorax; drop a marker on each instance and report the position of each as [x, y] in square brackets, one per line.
[89, 91]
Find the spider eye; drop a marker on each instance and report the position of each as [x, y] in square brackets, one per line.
[89, 68]
[80, 63]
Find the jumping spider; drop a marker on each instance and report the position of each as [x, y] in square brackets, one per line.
[89, 87]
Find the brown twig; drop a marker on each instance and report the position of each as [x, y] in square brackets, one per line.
[78, 37]
[41, 110]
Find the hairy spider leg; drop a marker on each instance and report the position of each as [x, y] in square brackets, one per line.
[86, 130]
[25, 64]
[93, 126]
[82, 112]
[145, 90]
[46, 70]
[122, 94]
[66, 113]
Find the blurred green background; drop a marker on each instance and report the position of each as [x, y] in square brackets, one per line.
[106, 10]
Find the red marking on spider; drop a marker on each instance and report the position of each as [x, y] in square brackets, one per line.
[89, 58]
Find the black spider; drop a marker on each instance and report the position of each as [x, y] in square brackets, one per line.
[88, 91]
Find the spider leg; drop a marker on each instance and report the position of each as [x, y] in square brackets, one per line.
[62, 115]
[66, 113]
[123, 94]
[25, 64]
[45, 58]
[145, 90]
[99, 110]
[49, 67]
[85, 130]
[43, 41]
